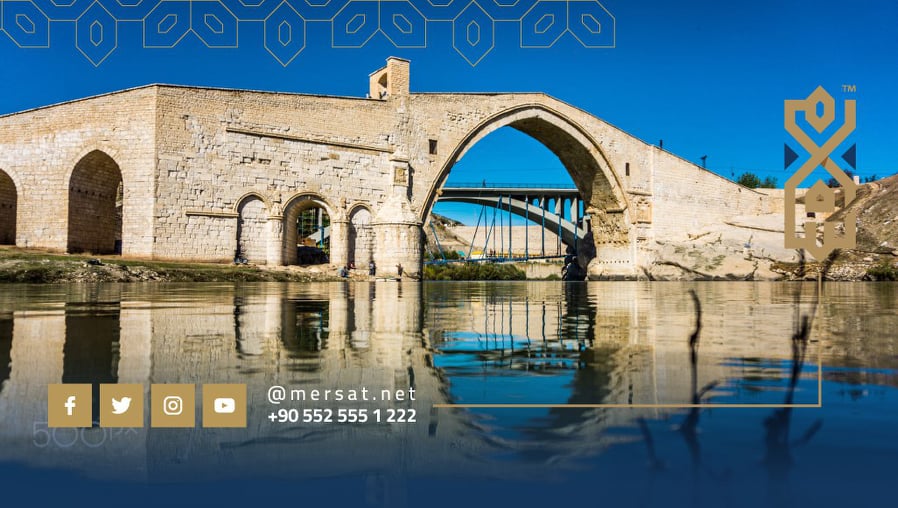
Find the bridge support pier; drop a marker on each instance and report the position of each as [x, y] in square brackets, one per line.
[400, 239]
[339, 243]
[399, 243]
[614, 252]
[275, 248]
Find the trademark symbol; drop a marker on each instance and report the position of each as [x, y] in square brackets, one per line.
[849, 88]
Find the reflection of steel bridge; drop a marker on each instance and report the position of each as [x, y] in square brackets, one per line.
[556, 208]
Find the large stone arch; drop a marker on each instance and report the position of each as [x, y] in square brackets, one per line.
[293, 207]
[252, 229]
[9, 198]
[361, 236]
[95, 195]
[591, 171]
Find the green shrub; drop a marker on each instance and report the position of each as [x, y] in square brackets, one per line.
[473, 271]
[447, 254]
[883, 271]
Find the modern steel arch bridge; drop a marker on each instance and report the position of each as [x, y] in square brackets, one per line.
[550, 207]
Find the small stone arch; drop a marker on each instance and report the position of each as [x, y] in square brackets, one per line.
[95, 197]
[9, 198]
[252, 229]
[361, 236]
[293, 209]
[251, 194]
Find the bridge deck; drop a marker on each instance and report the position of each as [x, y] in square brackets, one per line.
[534, 190]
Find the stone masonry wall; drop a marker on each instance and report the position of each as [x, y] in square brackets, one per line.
[216, 146]
[688, 198]
[40, 148]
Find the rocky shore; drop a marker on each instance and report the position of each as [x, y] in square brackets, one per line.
[751, 247]
[31, 266]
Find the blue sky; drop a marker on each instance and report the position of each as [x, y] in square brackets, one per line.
[707, 77]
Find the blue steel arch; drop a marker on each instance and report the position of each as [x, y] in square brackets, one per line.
[519, 203]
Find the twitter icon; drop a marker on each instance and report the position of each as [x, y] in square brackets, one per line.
[122, 405]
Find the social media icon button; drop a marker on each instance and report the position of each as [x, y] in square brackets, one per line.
[121, 405]
[69, 405]
[172, 405]
[224, 405]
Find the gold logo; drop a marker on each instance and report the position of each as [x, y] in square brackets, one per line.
[224, 405]
[172, 405]
[820, 200]
[69, 405]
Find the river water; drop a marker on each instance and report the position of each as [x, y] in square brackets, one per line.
[524, 392]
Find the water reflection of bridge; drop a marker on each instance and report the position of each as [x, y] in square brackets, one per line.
[622, 343]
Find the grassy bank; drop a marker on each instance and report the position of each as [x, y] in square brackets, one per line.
[883, 271]
[32, 266]
[473, 271]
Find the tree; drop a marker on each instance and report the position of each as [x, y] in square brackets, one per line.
[749, 180]
[832, 182]
[768, 183]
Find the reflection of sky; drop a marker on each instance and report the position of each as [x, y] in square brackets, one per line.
[511, 369]
[510, 387]
[759, 381]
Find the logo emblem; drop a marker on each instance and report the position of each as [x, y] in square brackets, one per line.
[820, 201]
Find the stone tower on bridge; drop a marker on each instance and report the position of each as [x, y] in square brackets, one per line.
[188, 173]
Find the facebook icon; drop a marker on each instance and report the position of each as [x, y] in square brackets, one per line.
[70, 405]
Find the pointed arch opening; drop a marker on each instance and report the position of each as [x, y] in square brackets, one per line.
[578, 152]
[252, 224]
[96, 193]
[307, 226]
[361, 237]
[599, 198]
[8, 204]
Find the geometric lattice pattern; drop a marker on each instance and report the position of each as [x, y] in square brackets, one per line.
[353, 23]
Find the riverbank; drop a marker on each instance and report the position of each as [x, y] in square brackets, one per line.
[42, 267]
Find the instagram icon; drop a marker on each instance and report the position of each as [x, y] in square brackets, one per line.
[172, 405]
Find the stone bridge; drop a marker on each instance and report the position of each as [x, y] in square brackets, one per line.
[170, 172]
